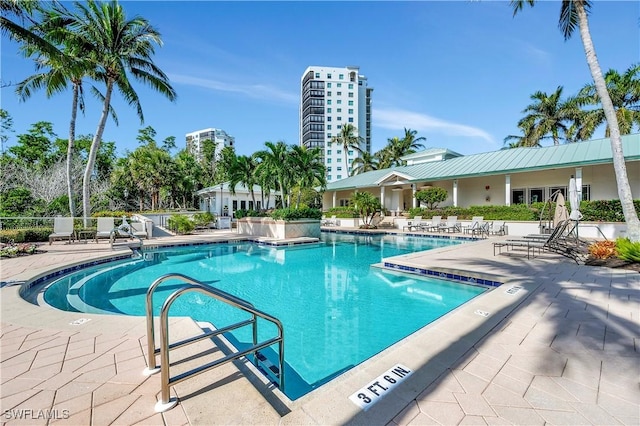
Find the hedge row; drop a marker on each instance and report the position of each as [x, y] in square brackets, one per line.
[25, 235]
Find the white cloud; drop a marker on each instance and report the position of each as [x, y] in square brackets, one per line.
[397, 119]
[257, 91]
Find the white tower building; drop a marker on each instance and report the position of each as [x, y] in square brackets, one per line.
[219, 136]
[330, 98]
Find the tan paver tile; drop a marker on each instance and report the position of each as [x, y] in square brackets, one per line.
[42, 373]
[78, 418]
[111, 391]
[563, 417]
[57, 381]
[540, 399]
[484, 366]
[595, 414]
[474, 404]
[550, 364]
[100, 375]
[473, 420]
[469, 382]
[13, 400]
[580, 392]
[519, 416]
[442, 390]
[141, 411]
[619, 406]
[75, 405]
[18, 385]
[107, 413]
[73, 390]
[445, 413]
[407, 414]
[550, 386]
[423, 419]
[499, 395]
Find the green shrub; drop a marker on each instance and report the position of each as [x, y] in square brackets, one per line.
[202, 220]
[515, 212]
[342, 212]
[431, 196]
[25, 235]
[628, 250]
[294, 214]
[109, 213]
[604, 210]
[180, 224]
[239, 214]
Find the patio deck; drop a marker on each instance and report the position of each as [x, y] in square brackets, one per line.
[557, 343]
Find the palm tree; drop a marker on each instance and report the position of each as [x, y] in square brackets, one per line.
[625, 95]
[365, 163]
[308, 170]
[572, 13]
[243, 171]
[547, 117]
[348, 139]
[410, 143]
[273, 161]
[67, 65]
[120, 48]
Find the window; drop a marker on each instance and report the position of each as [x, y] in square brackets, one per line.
[350, 110]
[350, 85]
[250, 205]
[339, 110]
[329, 75]
[329, 168]
[351, 94]
[339, 118]
[328, 160]
[329, 93]
[339, 152]
[344, 203]
[329, 136]
[329, 85]
[339, 102]
[328, 126]
[561, 189]
[517, 196]
[339, 168]
[234, 205]
[339, 126]
[536, 195]
[350, 119]
[317, 75]
[339, 93]
[341, 77]
[328, 118]
[328, 177]
[350, 103]
[339, 160]
[339, 84]
[350, 153]
[328, 110]
[328, 101]
[339, 176]
[328, 152]
[586, 192]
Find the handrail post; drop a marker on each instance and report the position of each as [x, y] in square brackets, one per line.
[165, 402]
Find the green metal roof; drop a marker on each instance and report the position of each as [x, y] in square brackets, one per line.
[515, 160]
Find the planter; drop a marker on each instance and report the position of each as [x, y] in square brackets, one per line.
[280, 229]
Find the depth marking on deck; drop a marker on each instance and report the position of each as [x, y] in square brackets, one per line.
[380, 386]
[513, 290]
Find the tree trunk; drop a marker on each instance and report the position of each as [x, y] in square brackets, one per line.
[70, 147]
[93, 152]
[619, 165]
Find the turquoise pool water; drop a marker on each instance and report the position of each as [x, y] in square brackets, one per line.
[337, 311]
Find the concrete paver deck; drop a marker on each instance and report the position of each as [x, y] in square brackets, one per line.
[561, 347]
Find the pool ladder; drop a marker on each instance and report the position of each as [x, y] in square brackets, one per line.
[192, 285]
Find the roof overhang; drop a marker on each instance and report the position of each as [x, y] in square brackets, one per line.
[394, 178]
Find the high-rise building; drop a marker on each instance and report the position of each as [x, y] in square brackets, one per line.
[218, 136]
[329, 99]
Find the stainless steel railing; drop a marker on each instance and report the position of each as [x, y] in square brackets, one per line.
[193, 285]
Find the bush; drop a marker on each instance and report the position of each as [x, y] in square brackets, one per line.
[180, 224]
[109, 213]
[603, 249]
[604, 210]
[515, 212]
[202, 220]
[239, 214]
[16, 250]
[628, 250]
[432, 196]
[342, 212]
[25, 235]
[295, 214]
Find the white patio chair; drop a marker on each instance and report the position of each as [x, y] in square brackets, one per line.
[105, 227]
[62, 229]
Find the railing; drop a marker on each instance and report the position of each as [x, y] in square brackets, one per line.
[166, 403]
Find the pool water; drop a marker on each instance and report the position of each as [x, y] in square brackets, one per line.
[336, 309]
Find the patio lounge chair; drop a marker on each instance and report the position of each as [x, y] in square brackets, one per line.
[139, 229]
[329, 222]
[452, 225]
[475, 223]
[482, 230]
[498, 227]
[434, 225]
[62, 229]
[105, 227]
[415, 223]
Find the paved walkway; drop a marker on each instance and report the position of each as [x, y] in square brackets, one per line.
[558, 343]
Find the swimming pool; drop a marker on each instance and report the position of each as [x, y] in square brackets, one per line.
[336, 309]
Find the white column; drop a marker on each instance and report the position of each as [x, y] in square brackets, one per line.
[334, 198]
[579, 182]
[382, 198]
[507, 190]
[455, 193]
[414, 202]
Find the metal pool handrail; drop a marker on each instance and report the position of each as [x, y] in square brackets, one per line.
[192, 285]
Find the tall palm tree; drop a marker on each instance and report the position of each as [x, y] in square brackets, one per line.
[243, 171]
[365, 163]
[574, 13]
[68, 65]
[273, 161]
[348, 139]
[308, 170]
[120, 49]
[624, 90]
[410, 142]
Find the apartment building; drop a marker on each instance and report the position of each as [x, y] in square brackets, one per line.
[330, 98]
[220, 137]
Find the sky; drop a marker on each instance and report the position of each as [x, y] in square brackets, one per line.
[458, 72]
